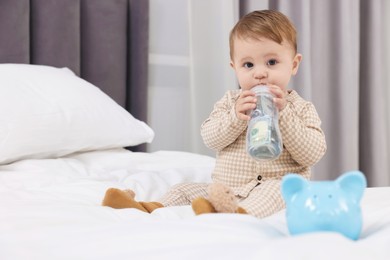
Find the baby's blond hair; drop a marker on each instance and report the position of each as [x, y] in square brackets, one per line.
[268, 24]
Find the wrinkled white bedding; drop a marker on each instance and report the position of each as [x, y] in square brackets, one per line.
[50, 209]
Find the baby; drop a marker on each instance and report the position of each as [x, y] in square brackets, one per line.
[263, 51]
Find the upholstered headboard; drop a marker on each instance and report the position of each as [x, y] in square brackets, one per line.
[103, 41]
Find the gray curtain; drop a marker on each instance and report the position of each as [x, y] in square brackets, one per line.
[342, 73]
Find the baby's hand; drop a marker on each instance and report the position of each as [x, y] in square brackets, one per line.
[245, 102]
[280, 96]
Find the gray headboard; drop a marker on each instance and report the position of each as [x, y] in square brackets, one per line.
[103, 41]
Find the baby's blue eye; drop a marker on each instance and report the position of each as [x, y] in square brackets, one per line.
[248, 65]
[272, 62]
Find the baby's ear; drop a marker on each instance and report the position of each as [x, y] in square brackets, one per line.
[354, 183]
[291, 185]
[297, 60]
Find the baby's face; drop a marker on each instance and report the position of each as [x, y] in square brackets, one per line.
[264, 62]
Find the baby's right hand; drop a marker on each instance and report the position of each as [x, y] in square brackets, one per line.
[245, 102]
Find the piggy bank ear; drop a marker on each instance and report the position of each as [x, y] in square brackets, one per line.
[354, 183]
[291, 185]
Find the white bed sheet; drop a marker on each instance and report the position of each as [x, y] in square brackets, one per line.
[50, 209]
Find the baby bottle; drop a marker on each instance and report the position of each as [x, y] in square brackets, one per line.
[263, 138]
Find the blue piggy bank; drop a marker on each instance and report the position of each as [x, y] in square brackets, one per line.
[324, 205]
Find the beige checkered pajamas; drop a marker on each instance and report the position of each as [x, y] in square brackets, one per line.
[256, 185]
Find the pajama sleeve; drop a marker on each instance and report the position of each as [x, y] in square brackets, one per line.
[223, 127]
[302, 136]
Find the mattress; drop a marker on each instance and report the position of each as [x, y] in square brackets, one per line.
[51, 209]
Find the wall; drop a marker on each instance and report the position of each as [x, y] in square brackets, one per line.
[169, 74]
[189, 68]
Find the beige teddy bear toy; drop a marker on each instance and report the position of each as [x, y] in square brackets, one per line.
[220, 199]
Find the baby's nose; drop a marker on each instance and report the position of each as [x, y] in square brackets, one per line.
[260, 73]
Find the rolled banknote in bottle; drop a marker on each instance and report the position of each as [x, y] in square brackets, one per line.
[263, 139]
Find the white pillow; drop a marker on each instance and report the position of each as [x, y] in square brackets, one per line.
[48, 112]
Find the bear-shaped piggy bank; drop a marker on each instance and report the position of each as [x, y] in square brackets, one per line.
[324, 205]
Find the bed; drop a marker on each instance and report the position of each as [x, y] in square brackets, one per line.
[73, 124]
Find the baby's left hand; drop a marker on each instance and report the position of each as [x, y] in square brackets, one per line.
[280, 96]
